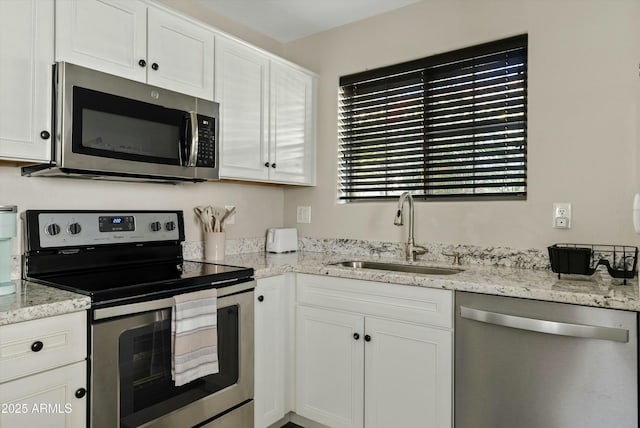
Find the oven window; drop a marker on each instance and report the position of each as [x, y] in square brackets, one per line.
[115, 127]
[147, 390]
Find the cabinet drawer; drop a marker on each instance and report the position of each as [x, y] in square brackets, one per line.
[63, 340]
[400, 302]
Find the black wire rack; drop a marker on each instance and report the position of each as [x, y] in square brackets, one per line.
[583, 259]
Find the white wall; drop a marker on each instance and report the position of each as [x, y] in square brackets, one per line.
[584, 91]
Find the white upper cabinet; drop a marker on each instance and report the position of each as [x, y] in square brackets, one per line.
[26, 56]
[134, 40]
[242, 89]
[292, 148]
[180, 54]
[107, 35]
[267, 116]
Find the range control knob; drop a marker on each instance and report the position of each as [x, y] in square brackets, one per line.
[155, 226]
[75, 228]
[170, 225]
[52, 229]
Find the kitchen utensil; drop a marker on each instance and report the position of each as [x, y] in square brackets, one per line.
[205, 217]
[227, 214]
[217, 214]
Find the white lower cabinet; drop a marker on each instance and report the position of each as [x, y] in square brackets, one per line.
[55, 398]
[43, 372]
[373, 355]
[273, 349]
[407, 375]
[330, 366]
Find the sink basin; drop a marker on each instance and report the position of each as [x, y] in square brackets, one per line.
[398, 267]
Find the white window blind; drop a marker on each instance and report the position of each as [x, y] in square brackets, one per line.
[450, 125]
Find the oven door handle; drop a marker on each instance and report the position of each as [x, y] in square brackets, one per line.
[166, 303]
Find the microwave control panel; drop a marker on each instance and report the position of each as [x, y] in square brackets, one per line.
[206, 142]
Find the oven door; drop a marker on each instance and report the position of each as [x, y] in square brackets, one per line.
[130, 365]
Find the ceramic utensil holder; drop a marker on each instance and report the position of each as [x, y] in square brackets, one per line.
[214, 243]
[7, 231]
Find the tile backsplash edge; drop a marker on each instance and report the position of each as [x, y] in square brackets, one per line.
[441, 253]
[469, 254]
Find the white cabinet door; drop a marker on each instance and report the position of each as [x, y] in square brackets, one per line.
[47, 399]
[271, 320]
[180, 54]
[242, 89]
[292, 140]
[106, 35]
[330, 367]
[26, 57]
[408, 375]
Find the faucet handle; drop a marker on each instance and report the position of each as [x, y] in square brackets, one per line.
[456, 257]
[419, 249]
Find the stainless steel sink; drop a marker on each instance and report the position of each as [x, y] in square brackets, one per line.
[398, 267]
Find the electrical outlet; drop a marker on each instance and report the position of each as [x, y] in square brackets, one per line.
[232, 218]
[303, 215]
[561, 215]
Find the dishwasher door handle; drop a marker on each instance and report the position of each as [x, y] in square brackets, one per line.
[547, 327]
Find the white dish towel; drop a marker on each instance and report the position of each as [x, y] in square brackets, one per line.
[194, 336]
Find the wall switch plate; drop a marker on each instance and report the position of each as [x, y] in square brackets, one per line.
[561, 215]
[232, 218]
[304, 215]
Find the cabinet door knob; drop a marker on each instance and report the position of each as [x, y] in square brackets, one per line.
[155, 66]
[81, 392]
[356, 336]
[367, 338]
[260, 298]
[266, 164]
[142, 63]
[37, 346]
[273, 165]
[45, 135]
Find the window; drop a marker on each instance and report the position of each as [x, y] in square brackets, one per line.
[446, 126]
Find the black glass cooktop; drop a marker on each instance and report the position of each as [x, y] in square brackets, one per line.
[142, 281]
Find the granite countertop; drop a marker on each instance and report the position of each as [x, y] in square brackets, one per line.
[598, 290]
[32, 301]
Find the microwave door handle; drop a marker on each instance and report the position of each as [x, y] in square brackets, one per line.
[193, 152]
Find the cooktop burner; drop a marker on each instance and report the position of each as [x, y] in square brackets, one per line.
[111, 283]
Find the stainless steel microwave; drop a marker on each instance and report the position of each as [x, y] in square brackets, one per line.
[114, 128]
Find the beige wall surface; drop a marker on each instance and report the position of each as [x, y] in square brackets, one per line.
[258, 206]
[583, 120]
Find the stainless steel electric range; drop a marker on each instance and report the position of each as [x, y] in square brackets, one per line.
[130, 263]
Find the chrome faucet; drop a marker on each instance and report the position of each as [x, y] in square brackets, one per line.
[412, 248]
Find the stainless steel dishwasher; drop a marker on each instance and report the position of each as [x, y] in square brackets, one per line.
[531, 364]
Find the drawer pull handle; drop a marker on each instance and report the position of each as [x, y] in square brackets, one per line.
[356, 336]
[81, 392]
[37, 346]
